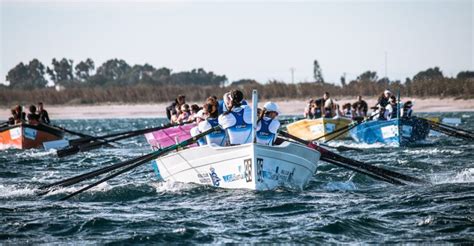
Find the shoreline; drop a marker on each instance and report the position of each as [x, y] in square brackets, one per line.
[287, 107]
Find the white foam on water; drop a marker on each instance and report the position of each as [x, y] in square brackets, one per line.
[362, 145]
[104, 187]
[34, 153]
[173, 187]
[340, 186]
[432, 151]
[425, 221]
[11, 191]
[464, 176]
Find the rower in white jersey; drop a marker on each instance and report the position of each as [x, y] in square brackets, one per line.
[268, 124]
[237, 120]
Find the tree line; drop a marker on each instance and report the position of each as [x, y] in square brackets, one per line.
[118, 82]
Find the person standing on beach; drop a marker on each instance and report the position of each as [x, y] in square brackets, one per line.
[43, 114]
[171, 109]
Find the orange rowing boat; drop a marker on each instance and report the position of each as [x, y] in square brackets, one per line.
[26, 136]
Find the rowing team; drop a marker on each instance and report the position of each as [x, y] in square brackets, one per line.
[35, 116]
[234, 116]
[385, 109]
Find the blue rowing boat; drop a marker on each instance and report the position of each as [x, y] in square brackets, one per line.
[401, 132]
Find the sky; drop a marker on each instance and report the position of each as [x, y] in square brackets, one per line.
[262, 40]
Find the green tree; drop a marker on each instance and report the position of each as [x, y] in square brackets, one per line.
[112, 72]
[429, 74]
[465, 75]
[29, 76]
[84, 69]
[61, 72]
[317, 72]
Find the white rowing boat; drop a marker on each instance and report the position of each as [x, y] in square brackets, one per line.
[247, 166]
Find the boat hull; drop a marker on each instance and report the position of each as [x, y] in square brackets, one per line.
[26, 136]
[312, 129]
[247, 166]
[401, 132]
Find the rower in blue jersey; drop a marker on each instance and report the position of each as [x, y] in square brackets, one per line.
[237, 120]
[226, 103]
[268, 124]
[216, 137]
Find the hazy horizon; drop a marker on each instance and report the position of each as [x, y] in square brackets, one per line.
[259, 41]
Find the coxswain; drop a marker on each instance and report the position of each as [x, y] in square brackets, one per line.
[407, 109]
[328, 106]
[268, 124]
[237, 120]
[43, 114]
[360, 107]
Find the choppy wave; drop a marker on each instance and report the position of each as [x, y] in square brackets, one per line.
[338, 206]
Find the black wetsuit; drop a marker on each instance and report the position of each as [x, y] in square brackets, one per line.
[44, 117]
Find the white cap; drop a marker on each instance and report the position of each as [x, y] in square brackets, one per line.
[387, 92]
[271, 107]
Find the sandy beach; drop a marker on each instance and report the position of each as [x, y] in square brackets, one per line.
[287, 107]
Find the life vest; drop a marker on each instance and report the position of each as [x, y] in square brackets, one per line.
[241, 130]
[216, 137]
[264, 133]
[221, 108]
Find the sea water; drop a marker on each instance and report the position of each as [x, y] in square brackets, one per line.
[338, 206]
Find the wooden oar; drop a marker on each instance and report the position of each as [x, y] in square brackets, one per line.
[74, 149]
[128, 165]
[351, 126]
[358, 166]
[341, 148]
[450, 130]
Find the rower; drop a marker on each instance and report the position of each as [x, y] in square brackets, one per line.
[33, 117]
[267, 125]
[308, 112]
[216, 137]
[391, 109]
[237, 120]
[171, 109]
[347, 111]
[226, 103]
[383, 99]
[18, 115]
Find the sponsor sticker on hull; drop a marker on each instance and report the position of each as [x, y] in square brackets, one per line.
[389, 131]
[15, 133]
[30, 133]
